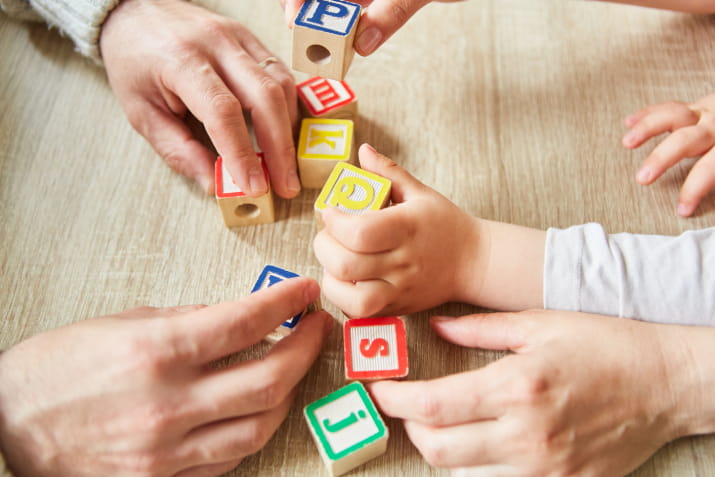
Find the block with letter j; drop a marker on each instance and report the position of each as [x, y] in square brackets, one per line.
[375, 348]
[323, 34]
[347, 428]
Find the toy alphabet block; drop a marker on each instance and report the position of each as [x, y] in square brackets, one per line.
[238, 208]
[323, 34]
[326, 98]
[375, 348]
[322, 144]
[353, 190]
[347, 428]
[269, 277]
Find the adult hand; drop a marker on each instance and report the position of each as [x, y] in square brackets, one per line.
[134, 394]
[380, 20]
[167, 57]
[693, 135]
[583, 395]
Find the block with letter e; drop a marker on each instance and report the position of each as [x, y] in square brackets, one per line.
[269, 277]
[323, 34]
[322, 144]
[353, 190]
[375, 348]
[347, 428]
[238, 208]
[325, 98]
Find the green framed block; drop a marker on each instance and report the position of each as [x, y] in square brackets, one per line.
[347, 428]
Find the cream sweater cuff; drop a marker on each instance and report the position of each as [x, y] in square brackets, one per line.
[81, 20]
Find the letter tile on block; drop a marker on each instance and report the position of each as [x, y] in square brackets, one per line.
[323, 33]
[269, 277]
[347, 428]
[375, 348]
[322, 144]
[326, 98]
[353, 190]
[238, 208]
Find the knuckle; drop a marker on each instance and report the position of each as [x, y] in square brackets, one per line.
[531, 388]
[271, 89]
[429, 408]
[435, 452]
[225, 105]
[272, 390]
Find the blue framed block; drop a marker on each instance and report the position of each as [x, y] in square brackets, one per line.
[269, 277]
[337, 17]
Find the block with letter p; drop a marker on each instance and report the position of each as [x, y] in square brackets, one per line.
[322, 144]
[269, 277]
[238, 208]
[347, 428]
[323, 34]
[375, 348]
[325, 98]
[353, 191]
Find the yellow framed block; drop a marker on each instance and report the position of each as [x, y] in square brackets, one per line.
[323, 35]
[323, 143]
[353, 191]
[237, 208]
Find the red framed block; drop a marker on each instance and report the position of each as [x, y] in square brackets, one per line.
[375, 348]
[325, 98]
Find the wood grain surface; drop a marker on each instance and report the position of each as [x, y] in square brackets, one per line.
[511, 108]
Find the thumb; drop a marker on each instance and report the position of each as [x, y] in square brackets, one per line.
[497, 331]
[380, 20]
[403, 183]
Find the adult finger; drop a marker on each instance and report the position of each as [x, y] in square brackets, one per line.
[380, 20]
[658, 119]
[477, 443]
[175, 143]
[206, 95]
[257, 386]
[223, 329]
[683, 143]
[264, 98]
[232, 439]
[372, 232]
[497, 331]
[700, 181]
[359, 299]
[456, 399]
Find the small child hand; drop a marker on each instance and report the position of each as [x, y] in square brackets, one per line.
[693, 134]
[415, 254]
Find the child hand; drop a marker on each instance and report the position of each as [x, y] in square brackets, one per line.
[415, 254]
[693, 134]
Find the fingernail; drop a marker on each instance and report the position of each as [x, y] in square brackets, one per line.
[368, 41]
[311, 292]
[293, 181]
[630, 139]
[369, 148]
[684, 210]
[644, 175]
[206, 183]
[257, 180]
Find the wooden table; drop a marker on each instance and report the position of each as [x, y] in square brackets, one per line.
[513, 109]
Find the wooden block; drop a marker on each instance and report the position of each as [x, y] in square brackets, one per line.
[322, 144]
[238, 208]
[352, 190]
[323, 34]
[347, 428]
[269, 277]
[375, 348]
[325, 98]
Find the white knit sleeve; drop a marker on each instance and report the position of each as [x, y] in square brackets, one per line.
[81, 20]
[649, 277]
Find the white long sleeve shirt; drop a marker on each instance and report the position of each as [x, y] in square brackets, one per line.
[649, 277]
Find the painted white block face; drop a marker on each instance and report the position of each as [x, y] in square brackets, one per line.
[374, 348]
[345, 422]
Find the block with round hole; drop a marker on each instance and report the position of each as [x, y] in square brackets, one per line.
[237, 208]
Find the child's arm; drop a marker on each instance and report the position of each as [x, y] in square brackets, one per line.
[423, 251]
[693, 134]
